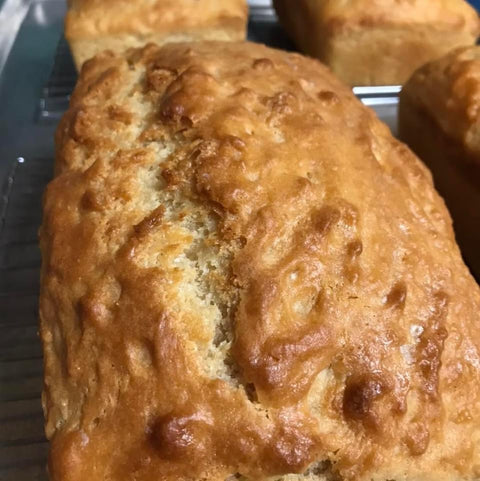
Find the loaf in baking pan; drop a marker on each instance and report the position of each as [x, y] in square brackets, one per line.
[439, 119]
[95, 25]
[245, 276]
[378, 42]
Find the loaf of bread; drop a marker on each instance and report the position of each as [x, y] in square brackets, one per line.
[378, 42]
[245, 276]
[439, 119]
[92, 26]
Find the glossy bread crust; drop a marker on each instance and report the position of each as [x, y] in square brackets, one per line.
[438, 118]
[92, 26]
[245, 276]
[378, 42]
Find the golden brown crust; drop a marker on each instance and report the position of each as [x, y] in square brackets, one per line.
[378, 42]
[92, 26]
[245, 273]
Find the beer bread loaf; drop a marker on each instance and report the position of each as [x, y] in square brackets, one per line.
[245, 276]
[92, 26]
[378, 42]
[439, 119]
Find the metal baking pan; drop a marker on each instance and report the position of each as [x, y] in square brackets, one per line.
[36, 80]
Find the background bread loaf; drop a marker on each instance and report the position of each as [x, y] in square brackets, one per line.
[438, 118]
[378, 42]
[92, 26]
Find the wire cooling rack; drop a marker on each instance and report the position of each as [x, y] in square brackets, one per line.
[23, 446]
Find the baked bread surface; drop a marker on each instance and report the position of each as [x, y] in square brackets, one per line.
[375, 42]
[95, 25]
[439, 119]
[245, 276]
